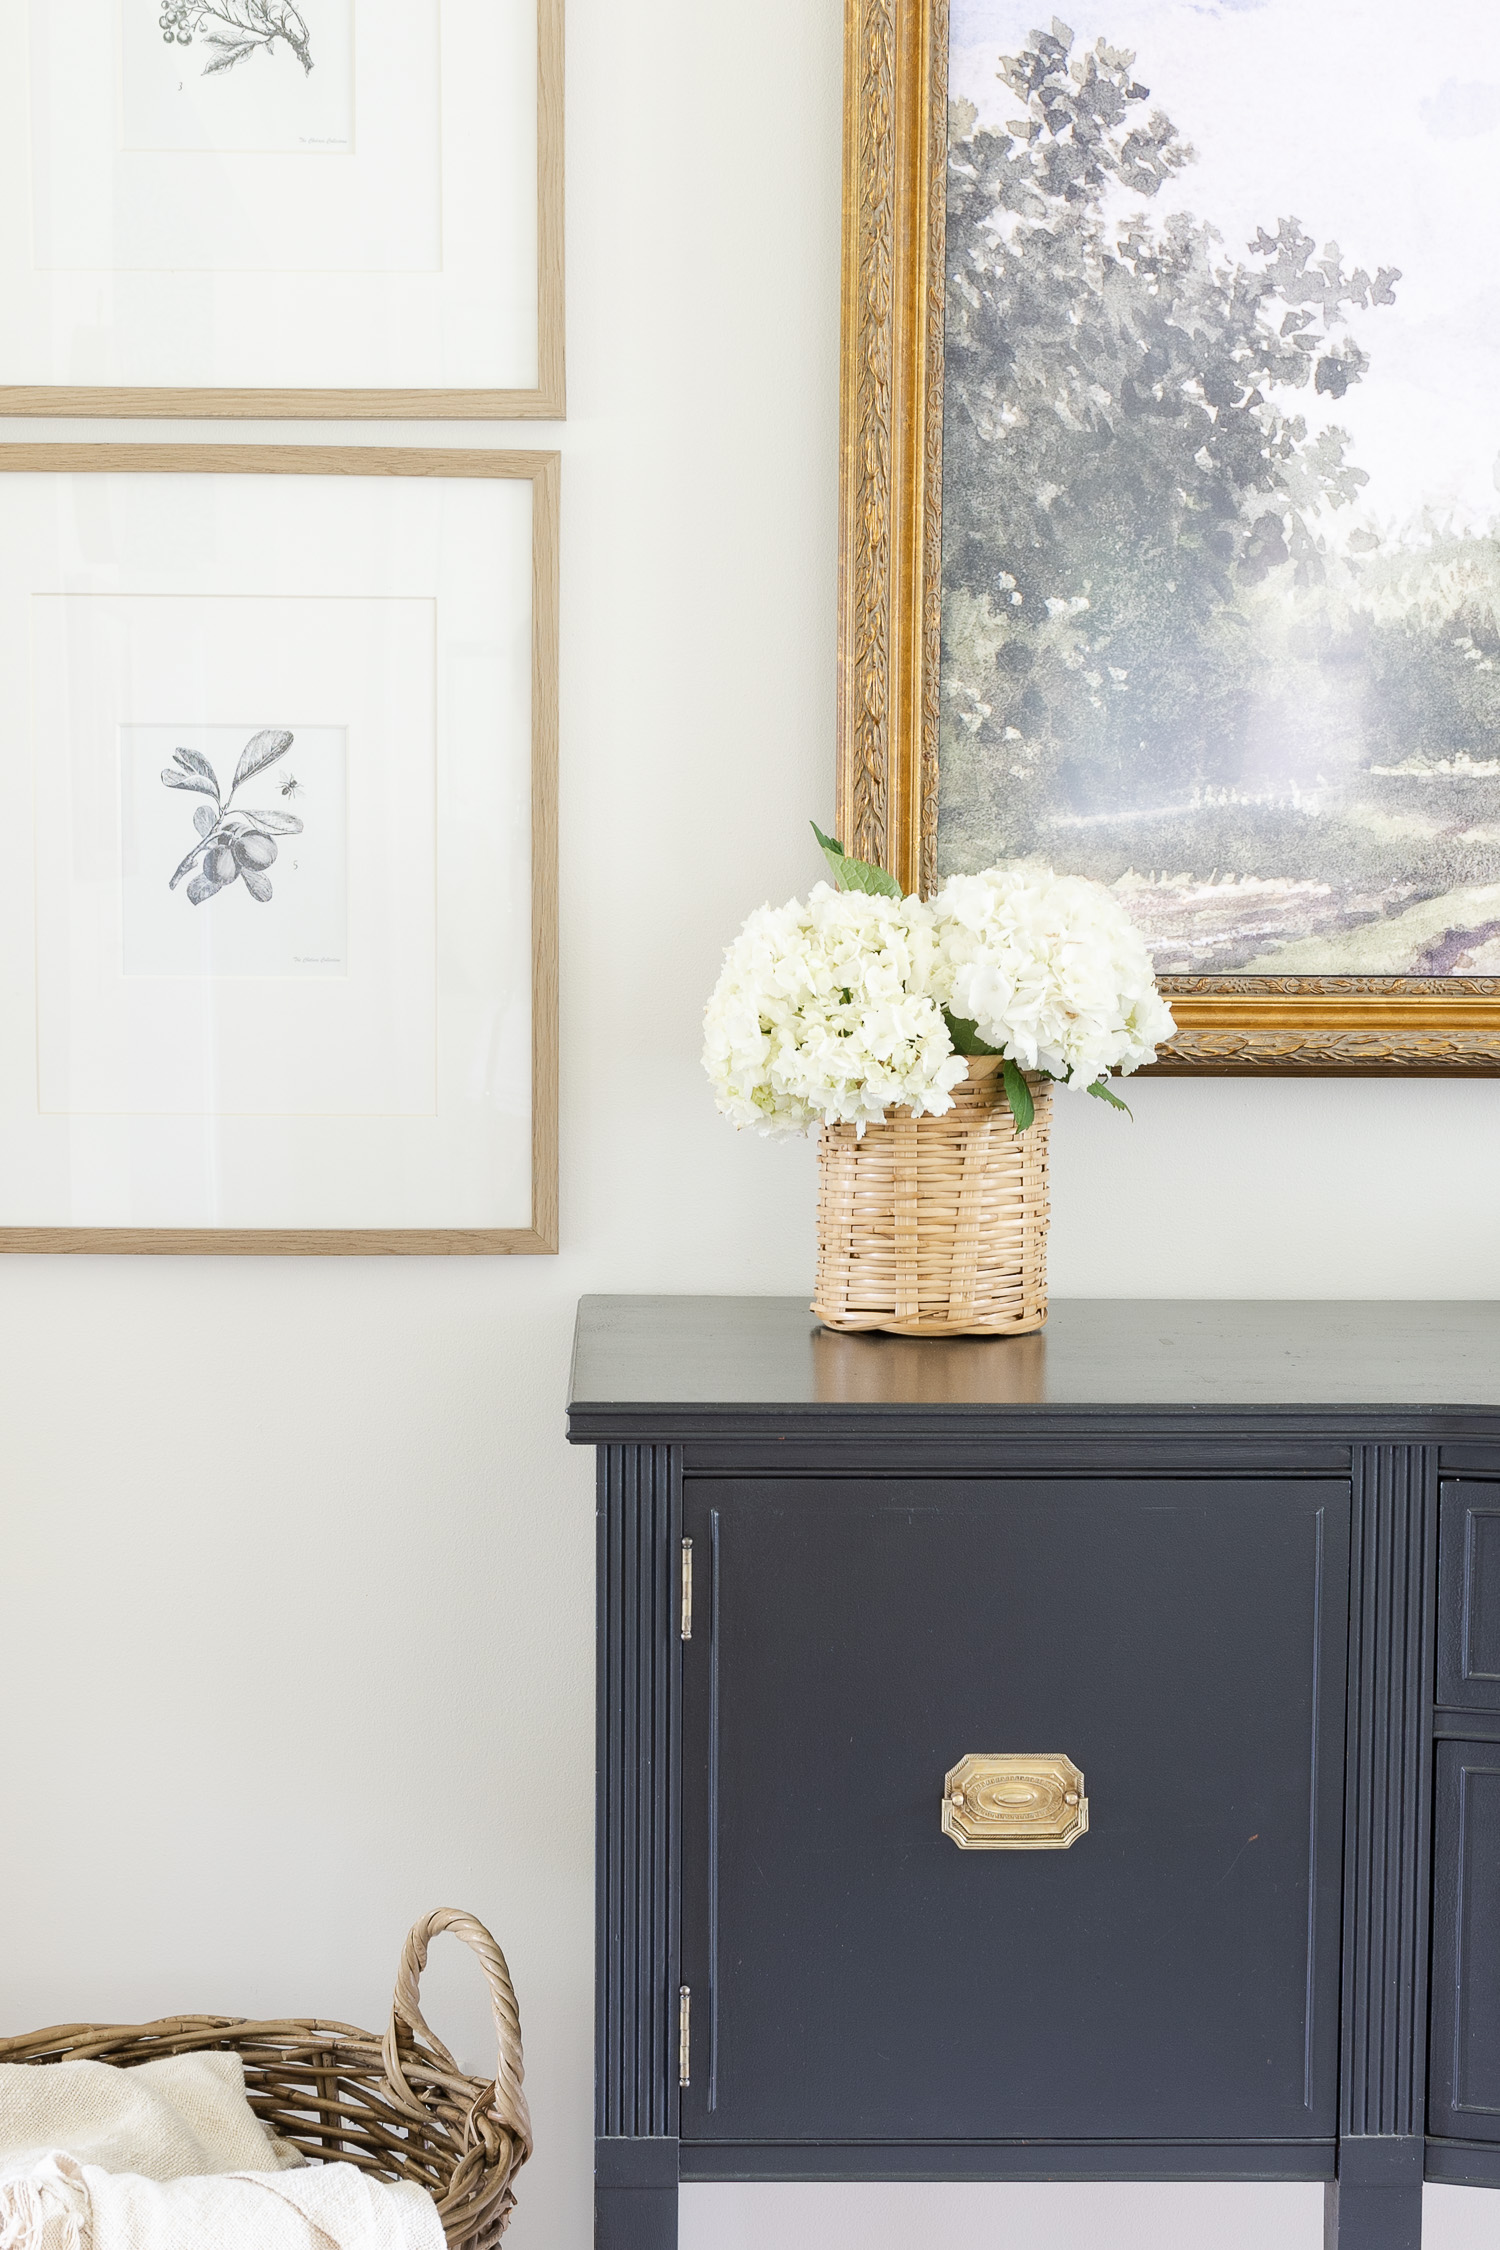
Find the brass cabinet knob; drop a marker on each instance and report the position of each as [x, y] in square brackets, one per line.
[1016, 1803]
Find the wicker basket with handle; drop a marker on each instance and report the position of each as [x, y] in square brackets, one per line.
[937, 1226]
[399, 2107]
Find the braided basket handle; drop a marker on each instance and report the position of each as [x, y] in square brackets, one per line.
[510, 2101]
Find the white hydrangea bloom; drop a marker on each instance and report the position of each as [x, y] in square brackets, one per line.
[1050, 969]
[825, 1011]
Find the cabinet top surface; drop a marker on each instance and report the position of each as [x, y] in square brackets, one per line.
[636, 1358]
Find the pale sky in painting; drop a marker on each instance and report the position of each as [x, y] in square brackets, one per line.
[1378, 126]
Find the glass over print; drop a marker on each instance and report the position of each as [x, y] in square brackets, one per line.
[1221, 441]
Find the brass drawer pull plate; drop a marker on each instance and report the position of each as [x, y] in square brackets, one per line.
[1015, 1804]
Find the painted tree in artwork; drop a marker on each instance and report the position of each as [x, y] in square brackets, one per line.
[1126, 449]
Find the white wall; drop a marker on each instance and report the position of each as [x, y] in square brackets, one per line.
[295, 1569]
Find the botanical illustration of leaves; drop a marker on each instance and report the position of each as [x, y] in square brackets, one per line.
[275, 823]
[193, 761]
[229, 52]
[264, 20]
[261, 750]
[232, 844]
[175, 778]
[259, 16]
[192, 859]
[287, 20]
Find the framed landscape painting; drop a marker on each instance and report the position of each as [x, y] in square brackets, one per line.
[1171, 494]
[278, 850]
[282, 207]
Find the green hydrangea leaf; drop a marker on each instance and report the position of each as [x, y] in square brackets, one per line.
[965, 1035]
[1104, 1092]
[1018, 1094]
[859, 875]
[833, 851]
[855, 874]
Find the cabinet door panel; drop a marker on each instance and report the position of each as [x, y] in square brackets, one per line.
[1469, 1597]
[1464, 2091]
[1175, 1972]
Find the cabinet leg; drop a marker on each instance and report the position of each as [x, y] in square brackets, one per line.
[635, 2218]
[1371, 2218]
[635, 2195]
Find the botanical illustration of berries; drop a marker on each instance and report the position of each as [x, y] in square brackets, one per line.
[232, 846]
[233, 29]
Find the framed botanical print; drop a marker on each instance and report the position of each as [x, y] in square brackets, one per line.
[259, 208]
[277, 854]
[1171, 532]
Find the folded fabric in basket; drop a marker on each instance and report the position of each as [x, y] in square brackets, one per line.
[63, 2205]
[166, 2120]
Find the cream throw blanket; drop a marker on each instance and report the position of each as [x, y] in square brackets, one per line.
[166, 2120]
[62, 2205]
[170, 2156]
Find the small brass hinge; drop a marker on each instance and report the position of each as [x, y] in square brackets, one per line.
[685, 2036]
[687, 1589]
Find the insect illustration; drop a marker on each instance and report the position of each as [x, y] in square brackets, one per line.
[231, 845]
[233, 29]
[292, 787]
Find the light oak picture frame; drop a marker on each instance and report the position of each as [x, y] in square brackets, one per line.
[890, 595]
[541, 470]
[544, 401]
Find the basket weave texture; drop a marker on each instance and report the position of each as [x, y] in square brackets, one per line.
[937, 1226]
[399, 2107]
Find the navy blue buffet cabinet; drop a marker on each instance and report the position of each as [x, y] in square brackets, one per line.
[1072, 1756]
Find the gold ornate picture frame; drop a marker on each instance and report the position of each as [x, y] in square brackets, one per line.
[896, 148]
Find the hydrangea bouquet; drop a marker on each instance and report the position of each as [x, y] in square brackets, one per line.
[861, 1000]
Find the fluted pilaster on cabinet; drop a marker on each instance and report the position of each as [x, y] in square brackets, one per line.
[1389, 1785]
[639, 1761]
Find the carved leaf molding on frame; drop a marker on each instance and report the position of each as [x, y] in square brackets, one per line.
[1327, 1054]
[896, 144]
[1334, 988]
[869, 254]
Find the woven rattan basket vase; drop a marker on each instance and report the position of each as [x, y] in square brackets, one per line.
[937, 1226]
[398, 2107]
